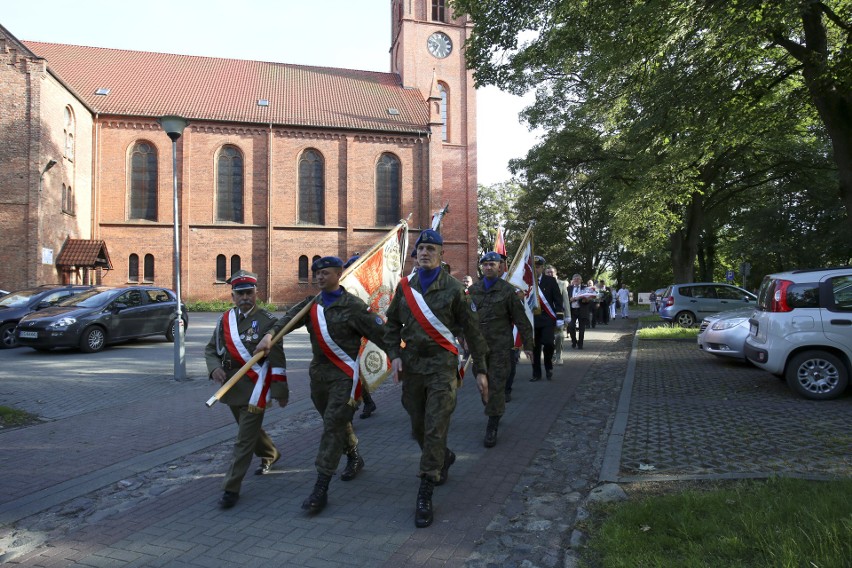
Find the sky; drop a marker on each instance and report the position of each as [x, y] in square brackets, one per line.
[333, 33]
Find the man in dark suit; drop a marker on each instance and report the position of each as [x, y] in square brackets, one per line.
[581, 305]
[545, 324]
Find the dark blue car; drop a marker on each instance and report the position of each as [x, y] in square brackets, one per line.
[15, 305]
[93, 319]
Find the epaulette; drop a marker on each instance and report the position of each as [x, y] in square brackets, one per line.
[267, 314]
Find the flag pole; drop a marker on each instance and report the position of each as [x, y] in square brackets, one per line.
[292, 323]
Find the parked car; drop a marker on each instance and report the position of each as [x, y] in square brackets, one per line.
[802, 330]
[686, 304]
[3, 293]
[15, 305]
[724, 334]
[98, 317]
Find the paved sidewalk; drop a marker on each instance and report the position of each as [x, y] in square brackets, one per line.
[135, 483]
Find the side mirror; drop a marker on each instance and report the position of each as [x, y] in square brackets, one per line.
[118, 306]
[43, 304]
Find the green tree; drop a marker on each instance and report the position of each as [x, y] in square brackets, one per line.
[696, 102]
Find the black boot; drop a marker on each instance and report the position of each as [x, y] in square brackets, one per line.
[449, 459]
[317, 500]
[354, 464]
[423, 511]
[491, 431]
[369, 405]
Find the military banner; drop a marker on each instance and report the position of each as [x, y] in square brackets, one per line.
[522, 276]
[373, 278]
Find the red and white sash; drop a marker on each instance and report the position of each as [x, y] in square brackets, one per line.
[430, 322]
[261, 395]
[547, 308]
[333, 351]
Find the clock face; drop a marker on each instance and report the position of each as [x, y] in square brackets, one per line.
[439, 44]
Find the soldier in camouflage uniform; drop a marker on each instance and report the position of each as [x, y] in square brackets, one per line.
[346, 319]
[498, 307]
[234, 340]
[428, 363]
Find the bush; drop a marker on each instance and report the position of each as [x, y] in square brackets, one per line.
[221, 306]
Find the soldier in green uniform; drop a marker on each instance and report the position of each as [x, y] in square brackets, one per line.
[236, 335]
[336, 322]
[498, 307]
[428, 309]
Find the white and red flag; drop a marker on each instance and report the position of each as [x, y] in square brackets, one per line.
[521, 275]
[373, 278]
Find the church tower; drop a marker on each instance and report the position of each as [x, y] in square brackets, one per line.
[427, 52]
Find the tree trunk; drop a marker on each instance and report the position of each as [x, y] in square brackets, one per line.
[833, 101]
[684, 241]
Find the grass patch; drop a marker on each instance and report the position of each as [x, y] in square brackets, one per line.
[221, 306]
[14, 417]
[668, 332]
[776, 522]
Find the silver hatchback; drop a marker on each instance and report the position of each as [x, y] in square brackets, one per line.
[802, 330]
[686, 304]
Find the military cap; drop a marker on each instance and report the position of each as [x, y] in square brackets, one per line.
[326, 262]
[352, 259]
[491, 257]
[539, 260]
[429, 236]
[242, 279]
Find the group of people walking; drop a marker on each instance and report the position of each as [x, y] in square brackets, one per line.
[430, 318]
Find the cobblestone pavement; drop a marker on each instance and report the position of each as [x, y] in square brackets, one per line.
[718, 418]
[140, 487]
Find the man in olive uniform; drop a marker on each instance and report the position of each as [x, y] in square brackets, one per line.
[429, 309]
[498, 307]
[336, 322]
[236, 335]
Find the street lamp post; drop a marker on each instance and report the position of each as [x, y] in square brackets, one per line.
[174, 126]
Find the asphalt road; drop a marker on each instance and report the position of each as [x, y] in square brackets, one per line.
[147, 356]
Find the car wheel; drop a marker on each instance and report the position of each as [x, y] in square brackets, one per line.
[170, 331]
[817, 375]
[7, 334]
[685, 319]
[94, 339]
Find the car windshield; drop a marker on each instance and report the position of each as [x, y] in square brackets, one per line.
[88, 299]
[18, 299]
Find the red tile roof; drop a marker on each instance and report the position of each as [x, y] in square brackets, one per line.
[84, 252]
[143, 83]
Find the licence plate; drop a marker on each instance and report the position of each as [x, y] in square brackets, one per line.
[28, 334]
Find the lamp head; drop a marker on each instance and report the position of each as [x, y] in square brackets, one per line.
[173, 126]
[50, 164]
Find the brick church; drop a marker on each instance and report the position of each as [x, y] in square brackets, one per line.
[279, 164]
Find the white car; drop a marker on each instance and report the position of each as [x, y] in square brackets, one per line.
[802, 330]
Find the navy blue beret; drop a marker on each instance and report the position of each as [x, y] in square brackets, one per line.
[491, 257]
[326, 262]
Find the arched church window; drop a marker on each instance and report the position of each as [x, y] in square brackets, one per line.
[149, 268]
[221, 266]
[311, 188]
[445, 111]
[439, 10]
[387, 189]
[69, 133]
[133, 268]
[143, 182]
[303, 268]
[235, 263]
[229, 185]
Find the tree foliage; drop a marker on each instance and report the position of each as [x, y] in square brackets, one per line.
[687, 115]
